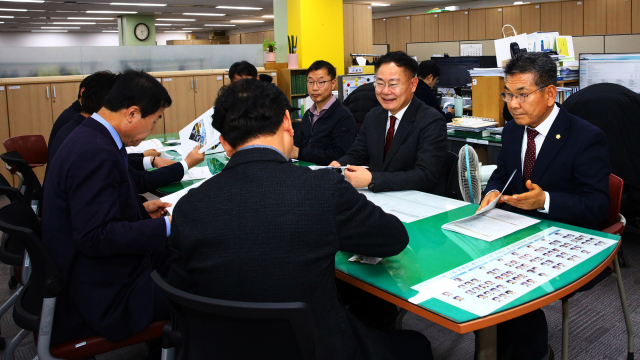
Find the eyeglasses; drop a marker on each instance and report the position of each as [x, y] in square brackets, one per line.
[320, 83]
[393, 86]
[507, 97]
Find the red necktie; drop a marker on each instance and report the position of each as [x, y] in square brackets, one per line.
[530, 155]
[392, 127]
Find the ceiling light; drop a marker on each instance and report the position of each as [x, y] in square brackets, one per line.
[137, 4]
[110, 12]
[13, 9]
[200, 14]
[107, 23]
[1, 22]
[518, 3]
[59, 27]
[378, 4]
[191, 28]
[247, 21]
[176, 19]
[238, 7]
[110, 31]
[74, 23]
[49, 31]
[218, 25]
[24, 1]
[6, 16]
[88, 18]
[268, 16]
[179, 31]
[163, 24]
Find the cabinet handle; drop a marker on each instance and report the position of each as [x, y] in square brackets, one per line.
[47, 92]
[192, 83]
[54, 91]
[196, 83]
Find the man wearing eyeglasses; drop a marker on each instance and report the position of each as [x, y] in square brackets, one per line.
[404, 141]
[429, 72]
[328, 127]
[562, 174]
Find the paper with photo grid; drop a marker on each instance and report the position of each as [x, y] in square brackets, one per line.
[483, 286]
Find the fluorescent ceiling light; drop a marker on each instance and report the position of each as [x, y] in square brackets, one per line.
[378, 4]
[247, 21]
[59, 27]
[163, 24]
[200, 14]
[6, 16]
[176, 19]
[49, 31]
[74, 23]
[109, 30]
[137, 4]
[179, 31]
[88, 18]
[110, 12]
[518, 3]
[13, 9]
[107, 23]
[238, 7]
[24, 1]
[191, 28]
[218, 25]
[1, 22]
[268, 16]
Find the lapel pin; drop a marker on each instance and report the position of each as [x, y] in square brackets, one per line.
[558, 136]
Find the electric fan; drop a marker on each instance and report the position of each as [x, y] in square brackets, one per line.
[469, 175]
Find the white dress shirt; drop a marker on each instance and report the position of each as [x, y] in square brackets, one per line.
[398, 118]
[146, 162]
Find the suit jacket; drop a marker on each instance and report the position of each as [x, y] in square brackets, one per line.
[415, 160]
[143, 180]
[572, 166]
[328, 138]
[101, 238]
[425, 93]
[64, 118]
[267, 230]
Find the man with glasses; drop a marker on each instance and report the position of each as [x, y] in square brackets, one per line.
[328, 127]
[404, 141]
[428, 73]
[562, 174]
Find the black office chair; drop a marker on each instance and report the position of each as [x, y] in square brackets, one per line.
[202, 327]
[30, 185]
[451, 169]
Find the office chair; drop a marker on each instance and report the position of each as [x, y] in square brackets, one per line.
[29, 184]
[614, 225]
[34, 308]
[32, 148]
[238, 330]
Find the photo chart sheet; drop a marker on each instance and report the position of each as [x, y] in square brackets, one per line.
[200, 132]
[492, 281]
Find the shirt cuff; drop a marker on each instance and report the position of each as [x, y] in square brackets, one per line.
[146, 162]
[166, 220]
[185, 167]
[546, 204]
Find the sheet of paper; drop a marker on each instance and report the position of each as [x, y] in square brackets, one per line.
[492, 281]
[199, 132]
[144, 146]
[411, 205]
[495, 201]
[490, 225]
[176, 196]
[365, 259]
[196, 173]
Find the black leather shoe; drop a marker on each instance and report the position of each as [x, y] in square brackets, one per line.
[551, 356]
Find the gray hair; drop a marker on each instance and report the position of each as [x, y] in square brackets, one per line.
[540, 64]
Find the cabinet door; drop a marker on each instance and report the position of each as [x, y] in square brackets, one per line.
[182, 111]
[63, 95]
[461, 25]
[572, 18]
[431, 25]
[417, 28]
[512, 15]
[618, 17]
[595, 11]
[551, 17]
[494, 23]
[635, 15]
[29, 108]
[445, 27]
[380, 31]
[530, 18]
[477, 24]
[206, 92]
[399, 32]
[4, 131]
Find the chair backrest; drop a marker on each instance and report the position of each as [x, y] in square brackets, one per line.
[224, 329]
[451, 169]
[32, 187]
[615, 192]
[11, 249]
[32, 148]
[20, 222]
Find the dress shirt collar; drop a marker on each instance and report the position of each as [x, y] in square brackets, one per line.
[112, 131]
[545, 126]
[401, 112]
[258, 146]
[314, 109]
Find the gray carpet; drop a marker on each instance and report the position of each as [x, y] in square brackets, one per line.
[597, 326]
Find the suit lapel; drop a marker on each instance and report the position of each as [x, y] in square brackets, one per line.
[551, 145]
[403, 129]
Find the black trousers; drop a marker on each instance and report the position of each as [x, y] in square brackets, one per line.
[409, 345]
[372, 311]
[523, 338]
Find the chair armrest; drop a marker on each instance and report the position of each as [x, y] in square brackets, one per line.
[614, 229]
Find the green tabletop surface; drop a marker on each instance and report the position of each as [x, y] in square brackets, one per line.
[473, 135]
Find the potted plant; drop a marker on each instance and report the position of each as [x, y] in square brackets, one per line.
[270, 47]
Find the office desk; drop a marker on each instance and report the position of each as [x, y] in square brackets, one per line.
[456, 140]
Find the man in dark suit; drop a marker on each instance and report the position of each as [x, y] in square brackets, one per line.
[68, 114]
[428, 73]
[562, 174]
[96, 87]
[103, 239]
[278, 227]
[404, 141]
[328, 128]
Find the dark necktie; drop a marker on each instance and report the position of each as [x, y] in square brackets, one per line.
[125, 156]
[392, 127]
[530, 154]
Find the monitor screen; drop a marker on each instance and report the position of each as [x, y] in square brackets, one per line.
[455, 70]
[622, 69]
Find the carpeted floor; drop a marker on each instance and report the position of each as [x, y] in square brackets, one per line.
[597, 326]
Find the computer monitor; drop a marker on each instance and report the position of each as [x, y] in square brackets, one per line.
[622, 69]
[455, 69]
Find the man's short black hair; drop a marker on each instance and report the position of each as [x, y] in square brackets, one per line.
[96, 87]
[402, 60]
[321, 64]
[82, 84]
[428, 67]
[242, 68]
[137, 88]
[540, 64]
[247, 109]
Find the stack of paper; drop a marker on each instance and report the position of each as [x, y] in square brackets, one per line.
[486, 72]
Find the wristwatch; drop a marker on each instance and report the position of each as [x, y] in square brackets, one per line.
[371, 186]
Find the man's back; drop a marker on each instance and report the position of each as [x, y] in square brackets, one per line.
[266, 230]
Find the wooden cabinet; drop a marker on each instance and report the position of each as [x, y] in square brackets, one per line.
[551, 17]
[398, 32]
[206, 92]
[357, 34]
[461, 25]
[635, 16]
[379, 31]
[595, 11]
[493, 23]
[477, 26]
[182, 111]
[512, 15]
[431, 31]
[418, 33]
[618, 16]
[347, 33]
[63, 95]
[445, 26]
[234, 39]
[530, 18]
[4, 131]
[572, 18]
[486, 101]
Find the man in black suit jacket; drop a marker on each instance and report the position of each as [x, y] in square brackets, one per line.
[404, 141]
[103, 239]
[278, 227]
[68, 114]
[428, 73]
[562, 174]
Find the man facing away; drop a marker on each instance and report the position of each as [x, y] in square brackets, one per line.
[266, 230]
[428, 73]
[328, 127]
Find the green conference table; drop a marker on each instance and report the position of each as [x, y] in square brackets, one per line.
[433, 251]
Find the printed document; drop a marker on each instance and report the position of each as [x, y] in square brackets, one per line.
[411, 205]
[200, 132]
[176, 196]
[490, 225]
[197, 173]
